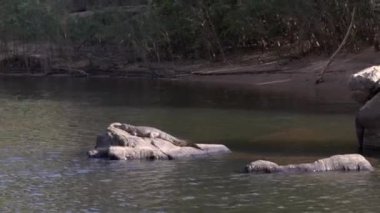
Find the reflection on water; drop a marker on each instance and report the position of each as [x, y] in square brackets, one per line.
[47, 125]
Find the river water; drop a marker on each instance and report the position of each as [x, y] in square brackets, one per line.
[48, 125]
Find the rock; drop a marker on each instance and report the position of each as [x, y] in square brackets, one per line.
[348, 162]
[365, 87]
[368, 124]
[119, 144]
[365, 84]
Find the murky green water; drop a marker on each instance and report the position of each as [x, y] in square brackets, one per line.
[47, 125]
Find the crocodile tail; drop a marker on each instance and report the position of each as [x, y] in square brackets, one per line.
[184, 143]
[178, 142]
[168, 137]
[195, 146]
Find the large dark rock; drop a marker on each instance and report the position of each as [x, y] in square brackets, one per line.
[121, 143]
[365, 84]
[365, 87]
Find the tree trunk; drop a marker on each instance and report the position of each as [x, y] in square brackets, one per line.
[320, 77]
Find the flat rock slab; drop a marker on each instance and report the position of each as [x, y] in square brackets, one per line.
[122, 143]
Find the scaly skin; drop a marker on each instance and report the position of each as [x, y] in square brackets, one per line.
[348, 162]
[151, 132]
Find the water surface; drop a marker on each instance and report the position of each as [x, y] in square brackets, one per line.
[47, 125]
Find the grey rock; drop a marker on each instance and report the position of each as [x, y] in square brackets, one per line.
[365, 87]
[368, 124]
[348, 162]
[120, 143]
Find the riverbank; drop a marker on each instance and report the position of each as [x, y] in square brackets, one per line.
[262, 71]
[295, 77]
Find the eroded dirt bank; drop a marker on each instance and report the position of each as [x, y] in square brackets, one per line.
[296, 77]
[263, 71]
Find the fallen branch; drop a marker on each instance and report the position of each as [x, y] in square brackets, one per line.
[331, 59]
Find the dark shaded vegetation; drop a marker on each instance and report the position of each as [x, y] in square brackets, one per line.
[102, 35]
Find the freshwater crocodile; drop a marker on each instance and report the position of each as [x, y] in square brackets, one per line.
[348, 162]
[151, 132]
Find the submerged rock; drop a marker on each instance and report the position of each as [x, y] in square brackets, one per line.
[348, 162]
[127, 142]
[365, 87]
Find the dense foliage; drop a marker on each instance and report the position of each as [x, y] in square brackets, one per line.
[159, 30]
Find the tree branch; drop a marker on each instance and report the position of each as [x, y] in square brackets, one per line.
[331, 59]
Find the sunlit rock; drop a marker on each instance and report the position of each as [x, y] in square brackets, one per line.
[127, 142]
[365, 84]
[365, 87]
[349, 162]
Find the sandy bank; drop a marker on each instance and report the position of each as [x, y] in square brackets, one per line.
[295, 77]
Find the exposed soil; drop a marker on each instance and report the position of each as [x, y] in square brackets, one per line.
[265, 71]
[296, 77]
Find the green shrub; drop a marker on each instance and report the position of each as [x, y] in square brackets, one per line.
[181, 29]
